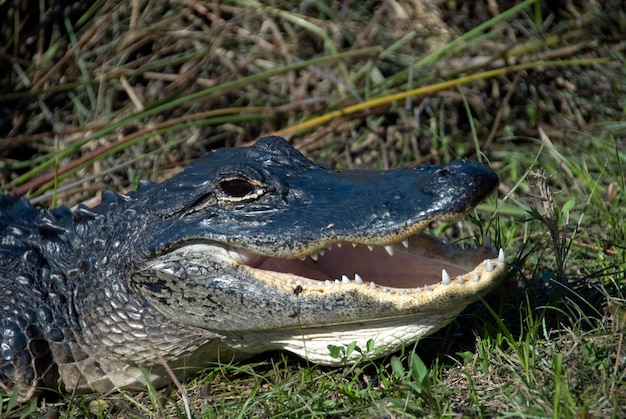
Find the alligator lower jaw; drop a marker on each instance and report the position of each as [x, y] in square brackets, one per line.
[414, 265]
[258, 302]
[386, 296]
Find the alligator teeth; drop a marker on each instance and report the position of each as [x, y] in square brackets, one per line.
[445, 278]
[389, 249]
[489, 267]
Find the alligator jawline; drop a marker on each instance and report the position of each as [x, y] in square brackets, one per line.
[415, 263]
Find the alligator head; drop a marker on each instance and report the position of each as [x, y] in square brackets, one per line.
[246, 250]
[271, 251]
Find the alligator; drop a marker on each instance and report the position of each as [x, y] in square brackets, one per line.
[247, 250]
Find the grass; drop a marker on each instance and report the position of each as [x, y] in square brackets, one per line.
[117, 92]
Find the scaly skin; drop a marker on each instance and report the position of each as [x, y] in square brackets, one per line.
[246, 250]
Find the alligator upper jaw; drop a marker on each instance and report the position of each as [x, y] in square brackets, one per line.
[415, 263]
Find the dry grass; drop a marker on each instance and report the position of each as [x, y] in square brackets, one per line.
[99, 96]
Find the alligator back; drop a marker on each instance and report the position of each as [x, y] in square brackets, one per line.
[69, 319]
[31, 293]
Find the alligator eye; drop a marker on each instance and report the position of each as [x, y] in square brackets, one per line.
[237, 188]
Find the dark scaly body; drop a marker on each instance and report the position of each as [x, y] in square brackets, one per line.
[227, 259]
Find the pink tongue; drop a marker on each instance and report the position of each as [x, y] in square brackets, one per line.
[403, 270]
[307, 268]
[244, 257]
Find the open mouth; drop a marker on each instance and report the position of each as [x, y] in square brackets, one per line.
[417, 263]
